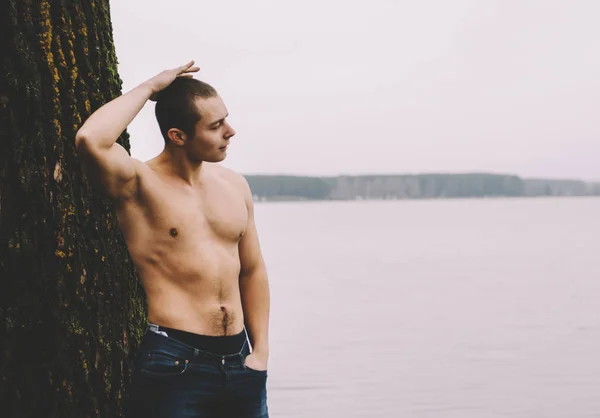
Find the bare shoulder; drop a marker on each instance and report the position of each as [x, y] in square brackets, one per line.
[148, 171]
[235, 179]
[140, 166]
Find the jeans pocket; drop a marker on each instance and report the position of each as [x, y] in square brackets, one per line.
[160, 363]
[253, 370]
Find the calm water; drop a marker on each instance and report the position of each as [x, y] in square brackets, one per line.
[441, 308]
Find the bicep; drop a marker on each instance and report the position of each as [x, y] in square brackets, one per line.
[112, 169]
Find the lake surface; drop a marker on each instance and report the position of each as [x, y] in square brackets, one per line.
[434, 308]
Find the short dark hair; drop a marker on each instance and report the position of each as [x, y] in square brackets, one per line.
[175, 105]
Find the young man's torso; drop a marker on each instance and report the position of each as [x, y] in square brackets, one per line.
[184, 241]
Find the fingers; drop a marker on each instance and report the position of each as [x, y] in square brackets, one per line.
[183, 71]
[193, 70]
[187, 68]
[187, 73]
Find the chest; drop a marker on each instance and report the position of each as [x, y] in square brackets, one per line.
[216, 211]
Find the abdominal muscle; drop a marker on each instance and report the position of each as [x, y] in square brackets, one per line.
[195, 290]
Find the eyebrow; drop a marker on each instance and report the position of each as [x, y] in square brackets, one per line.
[217, 121]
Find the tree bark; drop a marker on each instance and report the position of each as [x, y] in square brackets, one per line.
[71, 305]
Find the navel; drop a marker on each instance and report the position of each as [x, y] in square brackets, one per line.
[173, 232]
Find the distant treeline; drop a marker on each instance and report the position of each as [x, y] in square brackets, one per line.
[419, 186]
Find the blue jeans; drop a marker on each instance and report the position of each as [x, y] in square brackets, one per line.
[174, 380]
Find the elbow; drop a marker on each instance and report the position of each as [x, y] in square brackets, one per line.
[86, 141]
[80, 139]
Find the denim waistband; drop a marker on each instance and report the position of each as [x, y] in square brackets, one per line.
[155, 339]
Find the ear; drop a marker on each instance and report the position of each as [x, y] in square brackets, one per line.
[177, 136]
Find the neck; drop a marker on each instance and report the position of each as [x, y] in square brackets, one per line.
[176, 161]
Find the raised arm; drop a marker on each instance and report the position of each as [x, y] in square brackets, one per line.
[105, 162]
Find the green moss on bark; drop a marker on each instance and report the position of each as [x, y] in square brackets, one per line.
[71, 304]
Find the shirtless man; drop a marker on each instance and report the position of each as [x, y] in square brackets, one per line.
[189, 227]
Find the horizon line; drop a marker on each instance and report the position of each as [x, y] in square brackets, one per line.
[423, 173]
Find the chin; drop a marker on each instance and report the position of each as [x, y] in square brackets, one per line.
[216, 158]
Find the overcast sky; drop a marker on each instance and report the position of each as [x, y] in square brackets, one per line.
[329, 87]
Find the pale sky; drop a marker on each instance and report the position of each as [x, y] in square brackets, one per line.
[327, 87]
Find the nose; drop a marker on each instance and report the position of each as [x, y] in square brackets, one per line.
[229, 132]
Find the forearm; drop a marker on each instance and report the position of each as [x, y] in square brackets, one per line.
[255, 296]
[105, 125]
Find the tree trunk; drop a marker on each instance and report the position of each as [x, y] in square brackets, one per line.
[71, 306]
